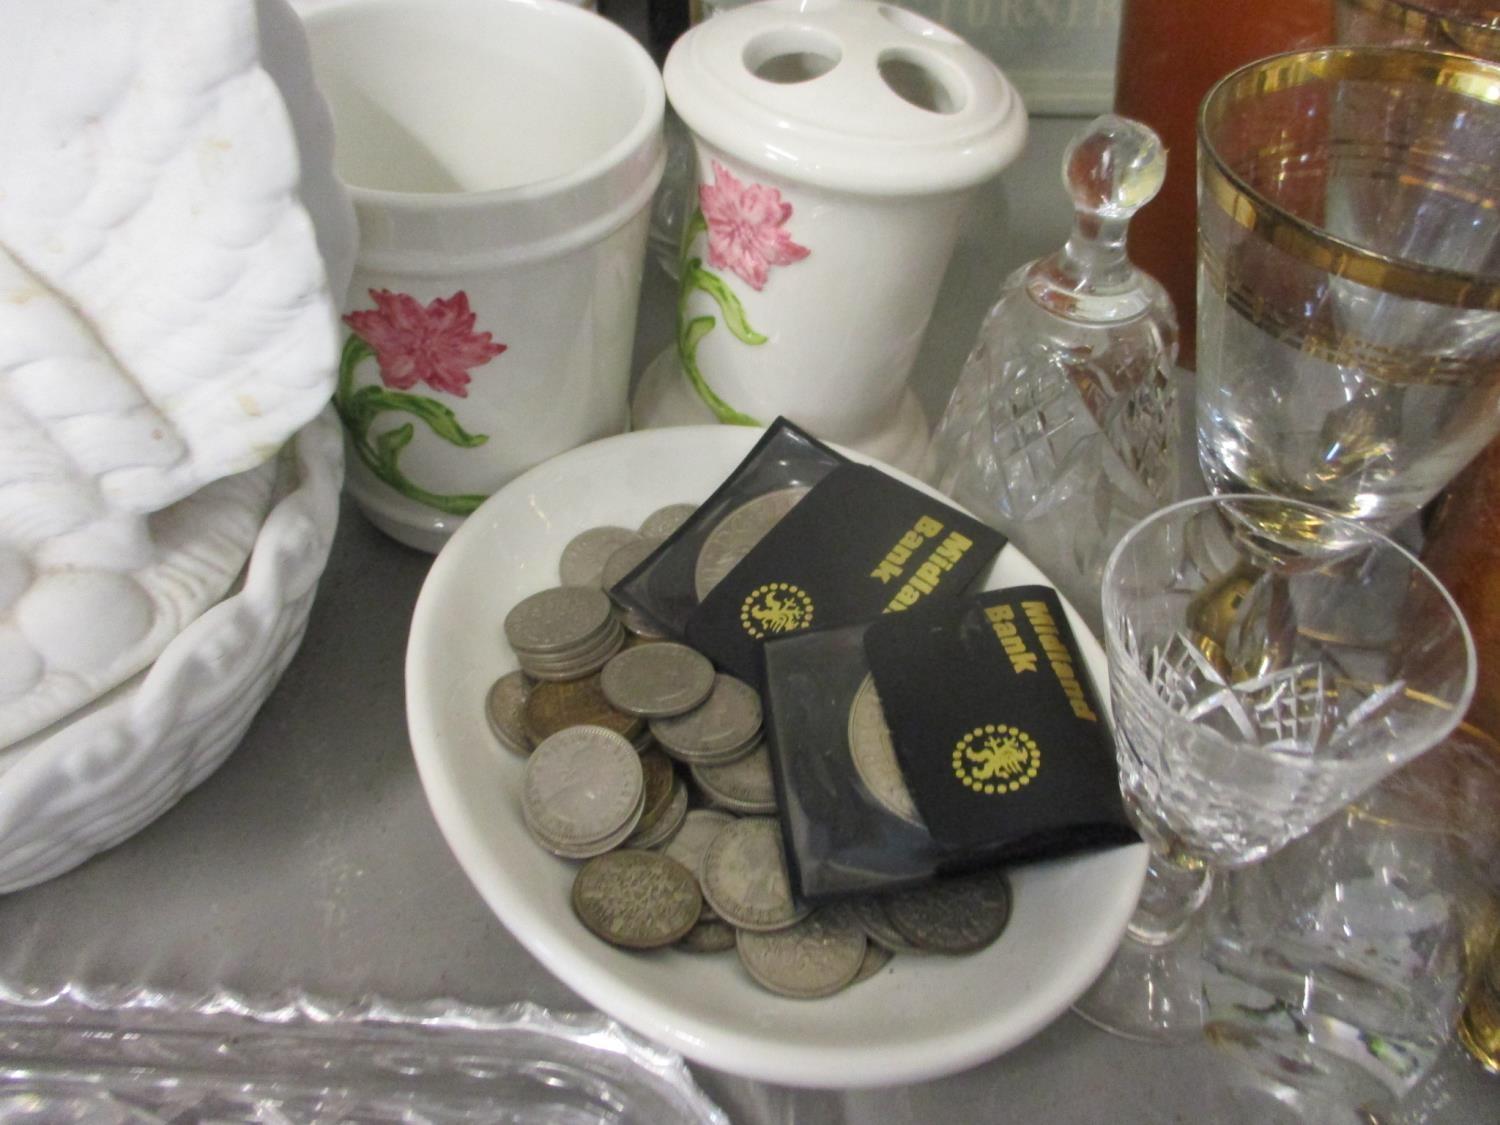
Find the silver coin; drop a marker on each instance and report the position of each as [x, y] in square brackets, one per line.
[665, 826]
[662, 522]
[582, 786]
[660, 782]
[744, 785]
[868, 914]
[609, 638]
[609, 843]
[744, 876]
[877, 953]
[698, 830]
[640, 625]
[576, 667]
[955, 915]
[816, 957]
[877, 957]
[658, 681]
[625, 559]
[586, 647]
[736, 535]
[728, 721]
[504, 705]
[732, 755]
[636, 899]
[557, 620]
[710, 935]
[875, 755]
[583, 559]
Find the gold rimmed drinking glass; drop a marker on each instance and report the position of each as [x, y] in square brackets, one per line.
[1468, 27]
[1349, 276]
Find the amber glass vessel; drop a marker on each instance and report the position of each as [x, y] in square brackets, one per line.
[1463, 550]
[1171, 52]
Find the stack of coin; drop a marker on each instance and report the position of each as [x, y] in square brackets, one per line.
[666, 805]
[658, 681]
[583, 793]
[725, 726]
[564, 632]
[745, 785]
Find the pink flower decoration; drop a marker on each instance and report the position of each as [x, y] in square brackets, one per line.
[436, 345]
[746, 231]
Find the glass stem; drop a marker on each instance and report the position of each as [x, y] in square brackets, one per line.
[1176, 886]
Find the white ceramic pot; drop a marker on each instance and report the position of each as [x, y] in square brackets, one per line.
[838, 142]
[501, 155]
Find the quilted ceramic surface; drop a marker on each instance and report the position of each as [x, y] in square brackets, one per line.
[155, 243]
[286, 58]
[165, 320]
[111, 769]
[71, 628]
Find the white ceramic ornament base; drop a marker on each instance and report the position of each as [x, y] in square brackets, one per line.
[663, 398]
[107, 771]
[83, 625]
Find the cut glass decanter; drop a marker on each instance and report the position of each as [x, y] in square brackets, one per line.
[1063, 430]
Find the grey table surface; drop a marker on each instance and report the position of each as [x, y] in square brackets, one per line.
[310, 860]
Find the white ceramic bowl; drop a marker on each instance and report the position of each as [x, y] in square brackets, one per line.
[108, 770]
[919, 1018]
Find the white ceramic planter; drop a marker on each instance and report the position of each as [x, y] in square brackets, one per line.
[838, 142]
[501, 155]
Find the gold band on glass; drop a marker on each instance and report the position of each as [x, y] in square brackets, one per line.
[1338, 346]
[1309, 243]
[1435, 27]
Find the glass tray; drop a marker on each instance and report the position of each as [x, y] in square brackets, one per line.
[154, 1057]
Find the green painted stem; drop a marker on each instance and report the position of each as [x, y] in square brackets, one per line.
[694, 278]
[358, 409]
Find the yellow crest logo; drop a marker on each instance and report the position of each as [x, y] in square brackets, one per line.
[996, 758]
[776, 607]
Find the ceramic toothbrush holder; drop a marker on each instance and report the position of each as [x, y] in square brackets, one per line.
[838, 142]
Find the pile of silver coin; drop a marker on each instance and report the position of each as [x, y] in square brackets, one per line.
[650, 766]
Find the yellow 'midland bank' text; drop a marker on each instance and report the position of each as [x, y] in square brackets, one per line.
[1002, 619]
[1059, 657]
[924, 578]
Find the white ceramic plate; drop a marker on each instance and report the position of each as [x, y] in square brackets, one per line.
[919, 1018]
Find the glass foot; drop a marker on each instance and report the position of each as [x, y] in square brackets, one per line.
[1153, 993]
[1255, 1100]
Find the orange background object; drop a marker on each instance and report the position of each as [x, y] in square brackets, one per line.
[1171, 52]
